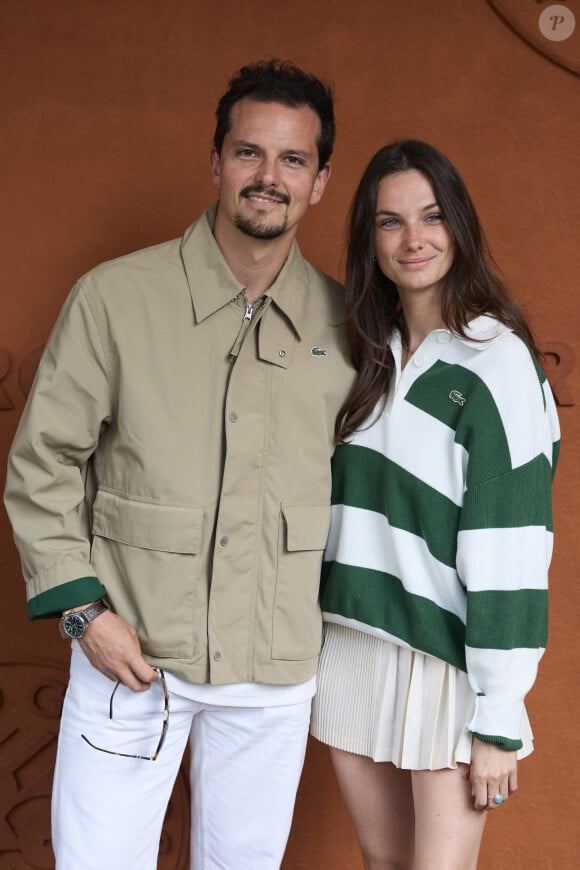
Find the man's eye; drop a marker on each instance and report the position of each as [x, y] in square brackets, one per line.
[294, 160]
[246, 152]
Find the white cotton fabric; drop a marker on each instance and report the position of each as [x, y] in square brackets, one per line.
[108, 811]
[394, 704]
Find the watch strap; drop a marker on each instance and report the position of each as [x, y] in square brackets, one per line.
[86, 614]
[93, 610]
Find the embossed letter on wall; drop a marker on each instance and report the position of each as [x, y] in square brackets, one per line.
[559, 361]
[5, 401]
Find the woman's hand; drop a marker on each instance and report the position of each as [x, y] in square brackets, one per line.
[493, 772]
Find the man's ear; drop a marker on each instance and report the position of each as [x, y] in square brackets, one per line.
[320, 184]
[215, 168]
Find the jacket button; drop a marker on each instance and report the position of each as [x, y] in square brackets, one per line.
[217, 656]
[224, 541]
[281, 353]
[233, 417]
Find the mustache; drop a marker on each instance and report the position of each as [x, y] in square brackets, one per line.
[267, 191]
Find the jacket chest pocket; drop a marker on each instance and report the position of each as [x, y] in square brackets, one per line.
[148, 555]
[297, 624]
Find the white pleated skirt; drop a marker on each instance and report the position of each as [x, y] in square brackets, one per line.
[393, 704]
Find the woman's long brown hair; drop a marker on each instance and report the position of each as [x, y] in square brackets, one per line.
[373, 310]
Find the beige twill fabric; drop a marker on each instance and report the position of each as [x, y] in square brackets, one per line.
[210, 457]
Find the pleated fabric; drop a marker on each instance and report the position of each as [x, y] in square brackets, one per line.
[394, 704]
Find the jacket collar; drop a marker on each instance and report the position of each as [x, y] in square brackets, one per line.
[212, 284]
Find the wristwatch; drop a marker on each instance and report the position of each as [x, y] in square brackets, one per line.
[74, 624]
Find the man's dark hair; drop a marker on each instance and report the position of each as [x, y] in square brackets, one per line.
[275, 81]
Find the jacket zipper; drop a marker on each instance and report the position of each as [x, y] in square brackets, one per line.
[250, 308]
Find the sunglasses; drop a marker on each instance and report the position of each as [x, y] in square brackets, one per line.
[164, 726]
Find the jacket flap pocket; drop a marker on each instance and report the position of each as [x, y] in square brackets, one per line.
[306, 526]
[149, 525]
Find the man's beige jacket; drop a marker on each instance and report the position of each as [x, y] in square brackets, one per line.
[176, 457]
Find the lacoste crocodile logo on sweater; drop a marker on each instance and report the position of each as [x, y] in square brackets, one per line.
[318, 351]
[456, 396]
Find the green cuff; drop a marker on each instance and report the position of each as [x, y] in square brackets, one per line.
[502, 742]
[73, 594]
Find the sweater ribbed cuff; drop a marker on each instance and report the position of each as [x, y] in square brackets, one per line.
[502, 742]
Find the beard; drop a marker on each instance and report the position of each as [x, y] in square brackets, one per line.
[257, 227]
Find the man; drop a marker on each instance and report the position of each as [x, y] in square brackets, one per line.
[173, 465]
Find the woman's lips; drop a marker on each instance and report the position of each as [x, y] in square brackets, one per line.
[415, 264]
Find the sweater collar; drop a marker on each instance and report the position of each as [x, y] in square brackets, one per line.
[482, 330]
[478, 333]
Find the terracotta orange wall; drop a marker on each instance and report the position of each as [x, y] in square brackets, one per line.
[106, 122]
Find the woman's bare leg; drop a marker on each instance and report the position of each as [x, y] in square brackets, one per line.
[379, 799]
[448, 829]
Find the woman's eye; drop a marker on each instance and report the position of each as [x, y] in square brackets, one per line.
[389, 222]
[435, 218]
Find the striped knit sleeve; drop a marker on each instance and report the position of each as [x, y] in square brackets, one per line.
[505, 536]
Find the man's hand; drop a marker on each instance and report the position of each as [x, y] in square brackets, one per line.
[493, 772]
[112, 646]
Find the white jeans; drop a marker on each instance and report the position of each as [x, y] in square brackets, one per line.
[108, 811]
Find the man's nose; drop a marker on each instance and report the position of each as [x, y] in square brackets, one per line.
[268, 172]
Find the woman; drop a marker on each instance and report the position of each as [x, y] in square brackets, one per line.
[435, 573]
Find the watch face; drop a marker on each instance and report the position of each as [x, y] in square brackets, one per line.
[74, 625]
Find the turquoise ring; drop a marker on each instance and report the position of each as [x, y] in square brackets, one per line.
[498, 799]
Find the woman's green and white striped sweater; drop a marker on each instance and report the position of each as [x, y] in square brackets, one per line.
[441, 531]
